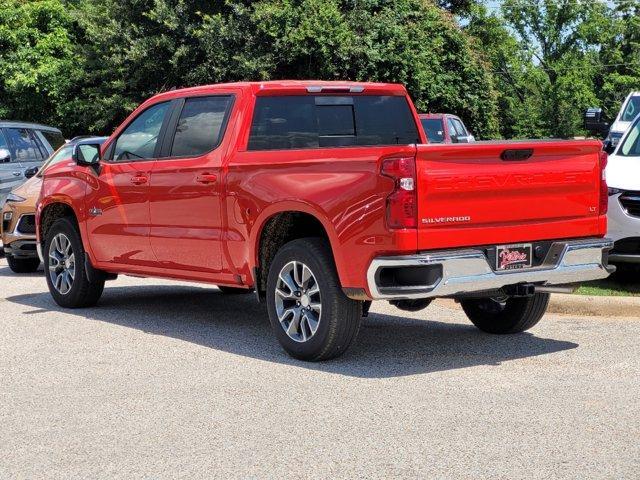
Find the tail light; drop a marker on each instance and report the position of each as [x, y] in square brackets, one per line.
[402, 204]
[604, 191]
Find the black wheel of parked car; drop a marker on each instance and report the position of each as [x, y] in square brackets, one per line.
[310, 315]
[233, 290]
[23, 265]
[64, 267]
[506, 315]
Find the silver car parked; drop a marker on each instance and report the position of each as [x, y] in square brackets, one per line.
[23, 149]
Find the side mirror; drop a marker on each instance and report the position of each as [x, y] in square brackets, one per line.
[609, 147]
[87, 154]
[30, 172]
[5, 155]
[594, 122]
[463, 139]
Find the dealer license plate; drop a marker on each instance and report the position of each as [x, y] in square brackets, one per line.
[512, 257]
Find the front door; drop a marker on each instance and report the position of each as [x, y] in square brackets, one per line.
[185, 199]
[117, 200]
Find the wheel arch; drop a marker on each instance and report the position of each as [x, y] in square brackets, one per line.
[48, 213]
[280, 224]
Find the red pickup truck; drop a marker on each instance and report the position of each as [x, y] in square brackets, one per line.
[320, 197]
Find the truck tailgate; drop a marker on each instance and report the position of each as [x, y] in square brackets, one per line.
[507, 192]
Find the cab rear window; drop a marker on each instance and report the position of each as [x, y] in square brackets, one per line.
[320, 121]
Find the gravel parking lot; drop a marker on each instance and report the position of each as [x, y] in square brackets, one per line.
[168, 379]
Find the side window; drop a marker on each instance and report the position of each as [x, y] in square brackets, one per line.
[453, 133]
[138, 140]
[434, 129]
[55, 139]
[460, 130]
[200, 126]
[631, 145]
[3, 141]
[632, 109]
[23, 145]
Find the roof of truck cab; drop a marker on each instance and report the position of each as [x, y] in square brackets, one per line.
[18, 124]
[292, 87]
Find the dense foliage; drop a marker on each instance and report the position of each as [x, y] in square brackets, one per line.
[528, 69]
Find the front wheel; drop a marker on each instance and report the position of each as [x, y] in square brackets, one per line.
[310, 315]
[64, 267]
[506, 315]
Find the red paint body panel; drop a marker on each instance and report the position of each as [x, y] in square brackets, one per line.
[174, 226]
[486, 200]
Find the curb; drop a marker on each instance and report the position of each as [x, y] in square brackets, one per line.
[592, 306]
[571, 304]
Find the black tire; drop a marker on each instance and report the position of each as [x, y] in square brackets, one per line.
[626, 273]
[233, 290]
[515, 315]
[82, 292]
[340, 317]
[23, 265]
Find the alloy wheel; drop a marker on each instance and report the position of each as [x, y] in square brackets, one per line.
[297, 300]
[62, 263]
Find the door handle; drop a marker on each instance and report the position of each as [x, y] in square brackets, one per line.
[206, 178]
[139, 179]
[17, 174]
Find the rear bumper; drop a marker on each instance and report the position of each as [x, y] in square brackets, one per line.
[455, 272]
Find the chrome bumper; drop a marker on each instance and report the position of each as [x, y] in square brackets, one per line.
[457, 272]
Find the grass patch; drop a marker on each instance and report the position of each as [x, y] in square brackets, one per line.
[611, 287]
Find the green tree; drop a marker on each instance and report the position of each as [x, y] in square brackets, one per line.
[36, 59]
[564, 38]
[408, 41]
[516, 77]
[620, 57]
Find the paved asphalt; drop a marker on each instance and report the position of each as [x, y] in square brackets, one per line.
[173, 380]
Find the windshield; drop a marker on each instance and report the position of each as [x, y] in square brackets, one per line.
[631, 145]
[631, 110]
[63, 153]
[433, 129]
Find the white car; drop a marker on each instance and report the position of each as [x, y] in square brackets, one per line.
[623, 179]
[630, 109]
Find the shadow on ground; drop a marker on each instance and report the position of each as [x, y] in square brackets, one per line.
[387, 346]
[7, 273]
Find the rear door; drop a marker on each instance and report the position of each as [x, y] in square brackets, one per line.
[507, 192]
[186, 228]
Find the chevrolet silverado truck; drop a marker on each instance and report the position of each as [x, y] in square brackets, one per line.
[321, 197]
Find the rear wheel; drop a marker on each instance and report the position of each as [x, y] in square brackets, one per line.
[310, 315]
[64, 267]
[23, 265]
[506, 315]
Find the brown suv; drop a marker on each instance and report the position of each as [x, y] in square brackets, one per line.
[18, 213]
